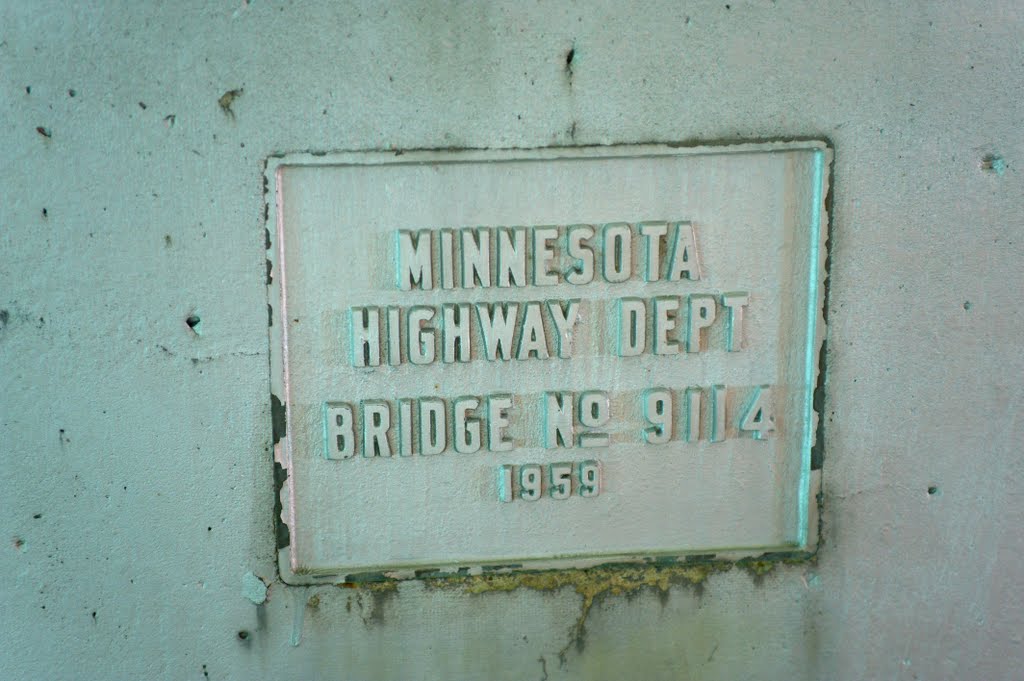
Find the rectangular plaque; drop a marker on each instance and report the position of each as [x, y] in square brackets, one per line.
[545, 358]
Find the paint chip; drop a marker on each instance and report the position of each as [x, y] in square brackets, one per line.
[254, 588]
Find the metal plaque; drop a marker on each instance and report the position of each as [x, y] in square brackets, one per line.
[545, 358]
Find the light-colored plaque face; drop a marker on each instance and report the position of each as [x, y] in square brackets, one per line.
[545, 358]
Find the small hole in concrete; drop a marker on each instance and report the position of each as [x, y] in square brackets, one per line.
[993, 163]
[933, 490]
[193, 322]
[243, 635]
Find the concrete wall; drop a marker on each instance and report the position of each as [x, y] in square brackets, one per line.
[136, 477]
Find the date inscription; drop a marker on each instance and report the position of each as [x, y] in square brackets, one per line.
[530, 481]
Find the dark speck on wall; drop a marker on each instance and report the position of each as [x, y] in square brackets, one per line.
[227, 99]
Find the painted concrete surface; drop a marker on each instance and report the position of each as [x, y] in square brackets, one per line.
[137, 477]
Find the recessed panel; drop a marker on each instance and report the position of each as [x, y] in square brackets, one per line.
[545, 358]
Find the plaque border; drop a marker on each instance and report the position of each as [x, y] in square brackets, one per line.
[805, 544]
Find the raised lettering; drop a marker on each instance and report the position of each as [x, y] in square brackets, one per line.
[447, 259]
[511, 256]
[683, 258]
[658, 412]
[505, 491]
[693, 399]
[632, 327]
[476, 257]
[529, 482]
[422, 338]
[757, 418]
[394, 336]
[455, 333]
[665, 311]
[405, 441]
[532, 339]
[594, 412]
[415, 259]
[364, 327]
[560, 480]
[543, 254]
[590, 479]
[564, 319]
[718, 423]
[653, 232]
[558, 420]
[735, 303]
[701, 312]
[579, 249]
[376, 424]
[466, 428]
[339, 438]
[617, 254]
[497, 422]
[497, 324]
[433, 426]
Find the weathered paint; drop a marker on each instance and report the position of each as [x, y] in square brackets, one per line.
[136, 477]
[769, 483]
[254, 588]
